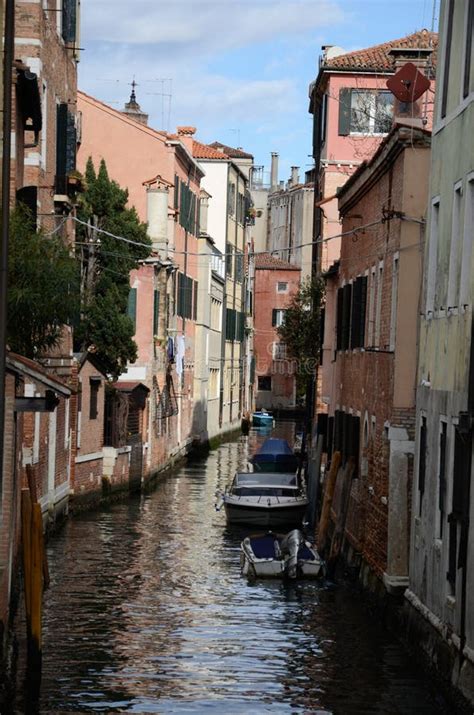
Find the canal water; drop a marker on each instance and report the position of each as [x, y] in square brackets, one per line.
[147, 613]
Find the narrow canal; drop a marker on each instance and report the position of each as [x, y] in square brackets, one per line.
[147, 613]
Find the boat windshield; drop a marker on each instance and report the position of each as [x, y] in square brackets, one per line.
[282, 479]
[265, 492]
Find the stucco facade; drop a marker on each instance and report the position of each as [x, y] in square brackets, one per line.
[374, 344]
[441, 593]
[276, 282]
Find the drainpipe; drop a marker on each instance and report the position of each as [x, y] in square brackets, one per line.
[7, 119]
[234, 291]
[224, 308]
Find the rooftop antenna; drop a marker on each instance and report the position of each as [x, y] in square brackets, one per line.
[237, 131]
[165, 97]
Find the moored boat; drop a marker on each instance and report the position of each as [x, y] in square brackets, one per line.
[262, 418]
[275, 455]
[267, 499]
[275, 555]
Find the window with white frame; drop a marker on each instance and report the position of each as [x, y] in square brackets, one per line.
[278, 316]
[279, 351]
[465, 298]
[432, 258]
[373, 290]
[453, 276]
[393, 310]
[378, 304]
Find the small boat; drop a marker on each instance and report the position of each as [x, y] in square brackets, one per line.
[267, 499]
[275, 455]
[262, 418]
[274, 555]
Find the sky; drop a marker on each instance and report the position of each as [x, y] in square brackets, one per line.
[237, 70]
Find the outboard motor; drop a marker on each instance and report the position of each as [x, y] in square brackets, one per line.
[290, 546]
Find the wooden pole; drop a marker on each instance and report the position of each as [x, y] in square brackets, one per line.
[338, 535]
[327, 501]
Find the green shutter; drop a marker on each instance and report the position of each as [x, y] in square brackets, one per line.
[132, 306]
[61, 139]
[156, 311]
[274, 317]
[176, 192]
[69, 21]
[344, 111]
[195, 300]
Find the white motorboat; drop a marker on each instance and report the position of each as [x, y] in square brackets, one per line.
[274, 555]
[268, 499]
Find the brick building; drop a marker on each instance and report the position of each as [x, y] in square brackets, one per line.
[275, 284]
[374, 291]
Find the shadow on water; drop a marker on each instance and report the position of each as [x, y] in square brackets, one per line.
[147, 613]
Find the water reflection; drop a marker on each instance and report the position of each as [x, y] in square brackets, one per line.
[147, 613]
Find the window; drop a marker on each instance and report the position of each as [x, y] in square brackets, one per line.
[132, 306]
[365, 111]
[346, 315]
[393, 311]
[228, 258]
[449, 9]
[264, 383]
[278, 315]
[432, 258]
[231, 200]
[453, 276]
[156, 311]
[282, 287]
[442, 477]
[378, 305]
[468, 57]
[359, 300]
[468, 231]
[94, 383]
[239, 266]
[213, 383]
[65, 146]
[187, 297]
[373, 289]
[279, 351]
[422, 463]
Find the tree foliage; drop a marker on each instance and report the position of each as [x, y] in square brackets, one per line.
[43, 291]
[300, 329]
[105, 265]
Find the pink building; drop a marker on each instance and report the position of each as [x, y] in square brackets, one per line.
[276, 282]
[163, 181]
[353, 111]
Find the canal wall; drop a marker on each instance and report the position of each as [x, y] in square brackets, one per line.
[436, 649]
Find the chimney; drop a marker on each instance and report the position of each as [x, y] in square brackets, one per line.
[274, 172]
[295, 179]
[185, 135]
[157, 212]
[132, 108]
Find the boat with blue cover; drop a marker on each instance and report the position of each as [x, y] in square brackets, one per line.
[262, 418]
[277, 556]
[275, 455]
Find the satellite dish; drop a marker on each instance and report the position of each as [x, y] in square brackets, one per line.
[408, 84]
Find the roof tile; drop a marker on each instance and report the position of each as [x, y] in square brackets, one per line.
[378, 57]
[204, 151]
[265, 261]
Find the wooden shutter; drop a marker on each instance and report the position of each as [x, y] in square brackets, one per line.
[355, 314]
[355, 442]
[344, 111]
[340, 300]
[346, 315]
[195, 300]
[132, 306]
[322, 321]
[69, 21]
[422, 461]
[330, 436]
[274, 317]
[176, 192]
[71, 143]
[156, 311]
[363, 309]
[61, 134]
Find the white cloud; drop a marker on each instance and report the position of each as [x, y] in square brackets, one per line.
[209, 24]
